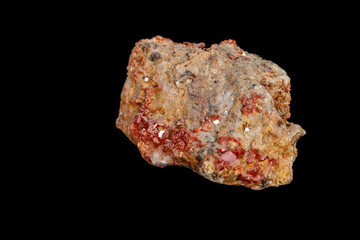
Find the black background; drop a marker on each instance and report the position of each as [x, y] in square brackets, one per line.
[104, 178]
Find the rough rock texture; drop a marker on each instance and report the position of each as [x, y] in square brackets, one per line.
[220, 111]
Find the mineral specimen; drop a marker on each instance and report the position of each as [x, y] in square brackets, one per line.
[219, 111]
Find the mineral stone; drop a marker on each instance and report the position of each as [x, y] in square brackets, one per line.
[219, 111]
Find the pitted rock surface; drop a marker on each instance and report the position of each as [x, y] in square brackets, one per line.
[219, 111]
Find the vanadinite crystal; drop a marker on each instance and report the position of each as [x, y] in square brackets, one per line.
[219, 111]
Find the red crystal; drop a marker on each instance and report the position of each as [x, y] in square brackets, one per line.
[229, 157]
[239, 152]
[249, 103]
[250, 157]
